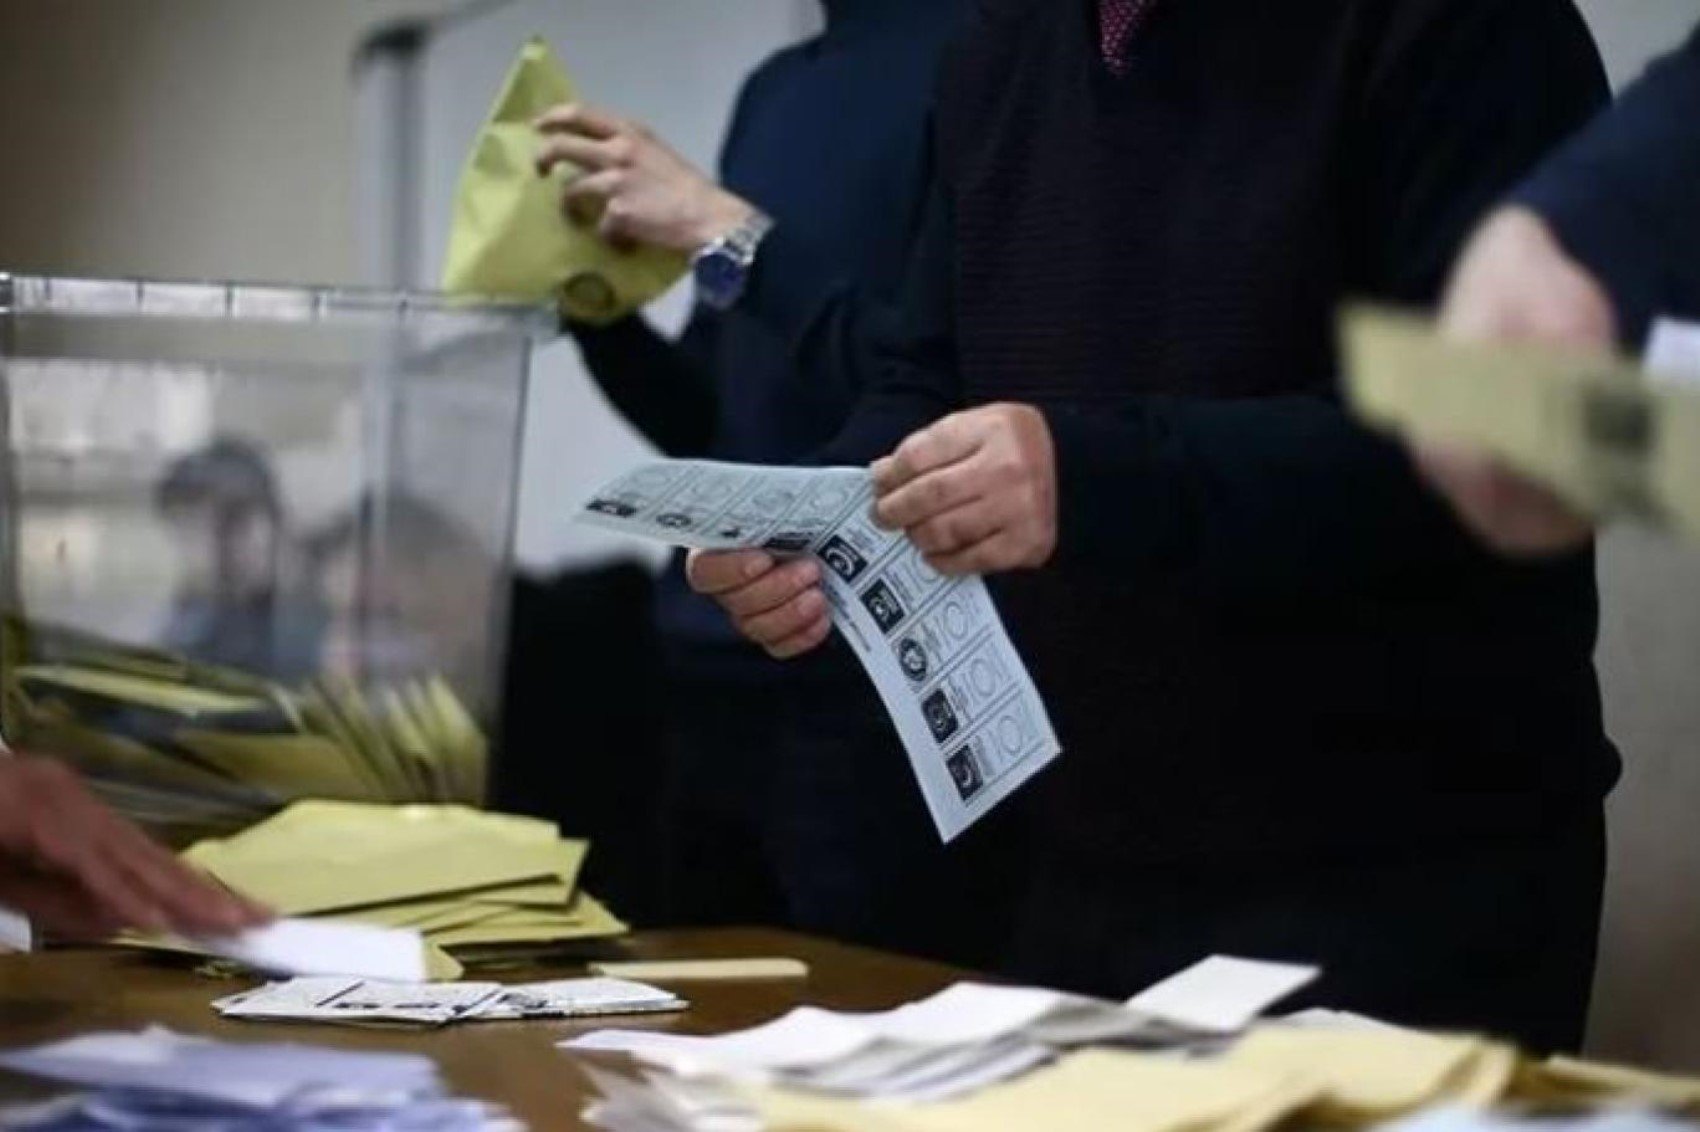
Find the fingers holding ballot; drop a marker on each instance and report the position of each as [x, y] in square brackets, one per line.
[976, 492]
[777, 604]
[630, 185]
[1515, 283]
[80, 871]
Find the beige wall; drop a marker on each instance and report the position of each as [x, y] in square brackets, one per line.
[215, 138]
[180, 138]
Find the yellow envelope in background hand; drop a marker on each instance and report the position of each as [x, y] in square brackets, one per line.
[510, 239]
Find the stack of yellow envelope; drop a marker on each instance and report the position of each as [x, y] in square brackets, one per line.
[468, 881]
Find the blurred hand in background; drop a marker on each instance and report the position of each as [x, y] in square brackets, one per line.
[1515, 283]
[78, 870]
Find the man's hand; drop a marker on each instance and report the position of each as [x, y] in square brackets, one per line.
[631, 185]
[1514, 283]
[778, 605]
[977, 492]
[79, 870]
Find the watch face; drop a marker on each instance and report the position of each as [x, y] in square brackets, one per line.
[719, 277]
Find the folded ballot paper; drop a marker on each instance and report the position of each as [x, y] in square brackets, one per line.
[964, 1038]
[511, 239]
[1354, 1077]
[364, 1002]
[963, 704]
[1607, 436]
[474, 885]
[159, 1081]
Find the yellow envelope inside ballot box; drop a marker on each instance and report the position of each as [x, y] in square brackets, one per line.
[510, 239]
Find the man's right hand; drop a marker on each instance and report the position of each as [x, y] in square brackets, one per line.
[778, 605]
[80, 871]
[1515, 283]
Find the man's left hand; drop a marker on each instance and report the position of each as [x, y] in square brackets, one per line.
[977, 492]
[632, 185]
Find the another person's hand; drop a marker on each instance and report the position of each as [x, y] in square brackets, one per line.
[977, 492]
[632, 185]
[80, 871]
[1514, 283]
[778, 605]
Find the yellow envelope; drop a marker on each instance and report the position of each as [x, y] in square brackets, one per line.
[324, 857]
[510, 238]
[1370, 1076]
[584, 918]
[1566, 1082]
[291, 765]
[160, 695]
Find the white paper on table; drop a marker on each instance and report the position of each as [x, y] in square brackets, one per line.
[361, 1001]
[1221, 995]
[264, 1076]
[930, 1072]
[577, 998]
[16, 932]
[1673, 352]
[963, 704]
[805, 1037]
[979, 1012]
[324, 947]
[1005, 1061]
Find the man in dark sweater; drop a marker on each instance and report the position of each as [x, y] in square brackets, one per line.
[1302, 714]
[789, 800]
[1605, 237]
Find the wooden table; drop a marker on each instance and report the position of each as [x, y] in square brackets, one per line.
[59, 994]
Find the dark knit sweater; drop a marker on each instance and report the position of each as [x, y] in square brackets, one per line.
[1625, 196]
[1261, 635]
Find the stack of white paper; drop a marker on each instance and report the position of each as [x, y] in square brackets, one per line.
[158, 1080]
[962, 1039]
[363, 1002]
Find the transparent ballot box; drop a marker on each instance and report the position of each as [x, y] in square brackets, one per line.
[255, 541]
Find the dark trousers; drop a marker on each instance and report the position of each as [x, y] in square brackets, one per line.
[1489, 934]
[789, 802]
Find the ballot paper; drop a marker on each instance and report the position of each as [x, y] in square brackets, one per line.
[156, 1080]
[1673, 352]
[362, 1002]
[16, 931]
[963, 703]
[318, 947]
[578, 998]
[359, 1002]
[1600, 432]
[963, 1038]
[1222, 995]
[1084, 1092]
[1463, 1118]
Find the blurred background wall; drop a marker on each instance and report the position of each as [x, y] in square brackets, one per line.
[222, 138]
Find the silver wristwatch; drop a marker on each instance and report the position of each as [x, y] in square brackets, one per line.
[722, 268]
